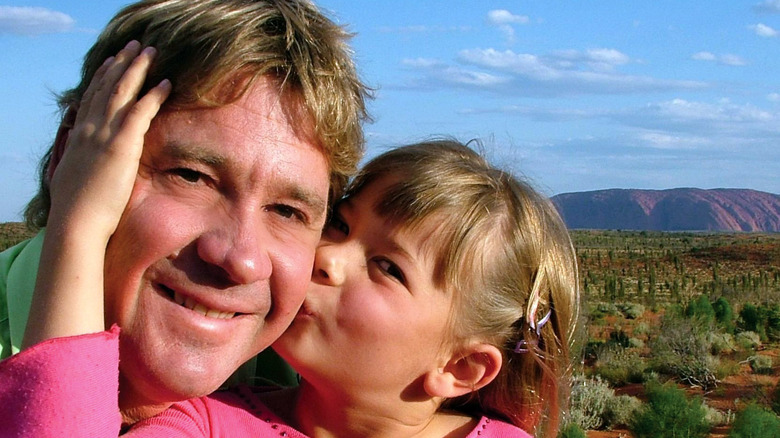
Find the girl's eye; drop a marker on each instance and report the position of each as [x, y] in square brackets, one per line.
[338, 224]
[189, 175]
[392, 270]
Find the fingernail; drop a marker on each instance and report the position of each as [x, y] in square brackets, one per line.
[151, 51]
[132, 44]
[108, 60]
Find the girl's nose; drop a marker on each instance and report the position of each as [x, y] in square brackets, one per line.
[329, 265]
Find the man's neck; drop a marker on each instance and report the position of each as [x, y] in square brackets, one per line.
[135, 414]
[134, 407]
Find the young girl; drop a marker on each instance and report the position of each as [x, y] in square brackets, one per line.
[442, 302]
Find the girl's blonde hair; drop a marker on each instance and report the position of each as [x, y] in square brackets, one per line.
[506, 256]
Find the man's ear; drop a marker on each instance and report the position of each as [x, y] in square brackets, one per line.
[467, 370]
[61, 140]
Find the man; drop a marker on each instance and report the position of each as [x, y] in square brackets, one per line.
[213, 253]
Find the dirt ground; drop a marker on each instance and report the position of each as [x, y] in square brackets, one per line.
[730, 395]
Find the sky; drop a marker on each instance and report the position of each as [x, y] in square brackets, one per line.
[572, 95]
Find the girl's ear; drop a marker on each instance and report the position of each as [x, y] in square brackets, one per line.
[60, 140]
[467, 370]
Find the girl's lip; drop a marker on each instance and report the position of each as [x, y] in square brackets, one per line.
[305, 310]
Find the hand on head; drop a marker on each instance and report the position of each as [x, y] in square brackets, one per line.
[93, 180]
[90, 188]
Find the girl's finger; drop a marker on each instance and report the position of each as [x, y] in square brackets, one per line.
[127, 88]
[106, 84]
[86, 99]
[140, 116]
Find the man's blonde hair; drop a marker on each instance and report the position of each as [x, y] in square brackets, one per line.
[213, 50]
[506, 256]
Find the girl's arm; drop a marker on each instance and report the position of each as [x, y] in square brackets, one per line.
[90, 188]
[68, 386]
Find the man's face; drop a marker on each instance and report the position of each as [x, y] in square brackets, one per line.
[213, 254]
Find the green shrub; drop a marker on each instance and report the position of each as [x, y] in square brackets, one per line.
[669, 413]
[619, 338]
[748, 340]
[603, 309]
[753, 319]
[724, 314]
[714, 417]
[773, 322]
[642, 328]
[760, 364]
[682, 350]
[631, 310]
[721, 343]
[727, 367]
[636, 343]
[572, 430]
[619, 366]
[701, 308]
[620, 409]
[589, 397]
[755, 422]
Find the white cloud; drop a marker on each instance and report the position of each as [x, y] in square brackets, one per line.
[726, 121]
[704, 56]
[600, 59]
[422, 29]
[763, 30]
[502, 16]
[663, 140]
[773, 97]
[723, 111]
[33, 21]
[725, 59]
[729, 59]
[421, 62]
[768, 6]
[504, 20]
[568, 72]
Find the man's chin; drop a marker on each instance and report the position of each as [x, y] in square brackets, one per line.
[148, 388]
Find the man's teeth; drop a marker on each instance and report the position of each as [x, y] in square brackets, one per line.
[200, 308]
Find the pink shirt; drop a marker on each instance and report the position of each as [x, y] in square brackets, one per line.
[68, 387]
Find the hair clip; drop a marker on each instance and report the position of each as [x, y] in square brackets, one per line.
[523, 345]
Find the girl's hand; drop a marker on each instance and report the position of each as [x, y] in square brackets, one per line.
[92, 183]
[90, 188]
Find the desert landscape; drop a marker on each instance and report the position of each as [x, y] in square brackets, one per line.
[690, 316]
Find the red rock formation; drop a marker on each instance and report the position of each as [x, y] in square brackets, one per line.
[684, 209]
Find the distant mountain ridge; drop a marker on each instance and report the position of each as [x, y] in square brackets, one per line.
[682, 209]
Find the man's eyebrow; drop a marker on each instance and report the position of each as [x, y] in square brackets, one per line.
[180, 151]
[183, 152]
[312, 200]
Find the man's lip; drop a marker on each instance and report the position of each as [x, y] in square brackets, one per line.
[195, 305]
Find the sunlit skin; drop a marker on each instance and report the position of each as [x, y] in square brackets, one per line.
[213, 254]
[372, 325]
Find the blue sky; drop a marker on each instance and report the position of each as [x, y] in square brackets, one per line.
[576, 96]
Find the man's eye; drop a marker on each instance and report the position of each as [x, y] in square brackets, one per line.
[392, 270]
[288, 212]
[189, 175]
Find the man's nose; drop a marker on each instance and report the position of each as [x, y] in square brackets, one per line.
[240, 247]
[330, 265]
